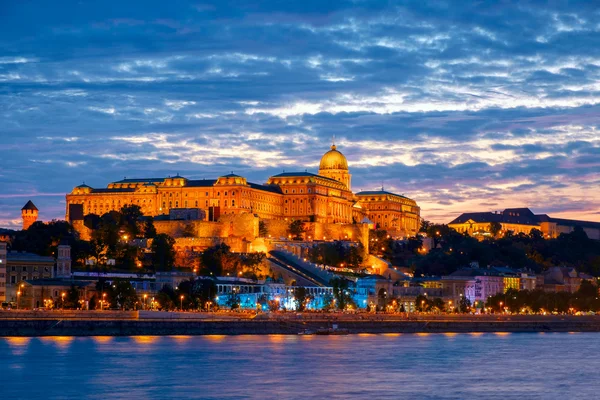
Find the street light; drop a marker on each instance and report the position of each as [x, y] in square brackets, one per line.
[103, 301]
[181, 303]
[18, 294]
[145, 297]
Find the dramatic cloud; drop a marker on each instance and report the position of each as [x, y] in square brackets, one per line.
[462, 106]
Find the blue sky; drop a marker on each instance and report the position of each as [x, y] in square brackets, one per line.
[463, 106]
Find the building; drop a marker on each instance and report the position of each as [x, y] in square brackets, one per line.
[46, 292]
[325, 197]
[22, 266]
[476, 284]
[562, 279]
[29, 214]
[521, 220]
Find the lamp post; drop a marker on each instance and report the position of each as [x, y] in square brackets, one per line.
[62, 304]
[103, 301]
[181, 303]
[145, 297]
[18, 294]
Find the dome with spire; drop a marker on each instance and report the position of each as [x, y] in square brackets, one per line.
[333, 159]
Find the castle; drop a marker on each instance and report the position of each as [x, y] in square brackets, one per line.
[324, 198]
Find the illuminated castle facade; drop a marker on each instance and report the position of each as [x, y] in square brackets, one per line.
[325, 197]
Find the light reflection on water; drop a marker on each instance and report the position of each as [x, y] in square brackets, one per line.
[431, 366]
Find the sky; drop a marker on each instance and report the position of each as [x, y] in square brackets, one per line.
[461, 105]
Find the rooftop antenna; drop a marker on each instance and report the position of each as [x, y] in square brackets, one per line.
[382, 189]
[333, 140]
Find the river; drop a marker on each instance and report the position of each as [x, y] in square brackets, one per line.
[387, 366]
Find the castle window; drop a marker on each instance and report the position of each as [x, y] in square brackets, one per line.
[176, 204]
[170, 194]
[185, 204]
[309, 190]
[206, 194]
[196, 203]
[232, 203]
[225, 193]
[163, 205]
[170, 204]
[225, 203]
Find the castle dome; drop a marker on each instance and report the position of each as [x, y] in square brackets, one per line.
[333, 159]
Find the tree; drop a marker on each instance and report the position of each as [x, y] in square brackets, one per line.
[233, 300]
[341, 293]
[300, 298]
[163, 254]
[131, 215]
[122, 295]
[166, 297]
[465, 305]
[425, 225]
[296, 229]
[149, 229]
[495, 228]
[262, 229]
[536, 234]
[72, 298]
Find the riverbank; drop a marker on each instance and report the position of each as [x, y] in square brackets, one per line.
[287, 326]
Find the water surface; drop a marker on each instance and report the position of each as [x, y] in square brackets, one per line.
[393, 366]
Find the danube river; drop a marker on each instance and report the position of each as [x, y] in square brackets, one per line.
[392, 366]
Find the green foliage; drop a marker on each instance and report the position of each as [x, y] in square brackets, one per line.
[465, 305]
[233, 300]
[149, 229]
[163, 254]
[43, 238]
[219, 261]
[296, 229]
[301, 298]
[196, 293]
[517, 251]
[585, 299]
[494, 228]
[166, 298]
[120, 294]
[341, 293]
[72, 298]
[337, 253]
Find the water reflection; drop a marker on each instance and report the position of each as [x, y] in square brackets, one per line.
[467, 366]
[18, 345]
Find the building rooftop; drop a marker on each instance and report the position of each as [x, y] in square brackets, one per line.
[59, 282]
[27, 257]
[30, 206]
[378, 193]
[522, 216]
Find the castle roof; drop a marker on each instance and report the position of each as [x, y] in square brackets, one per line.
[333, 159]
[29, 206]
[302, 174]
[378, 193]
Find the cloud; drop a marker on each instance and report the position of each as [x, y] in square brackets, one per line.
[464, 108]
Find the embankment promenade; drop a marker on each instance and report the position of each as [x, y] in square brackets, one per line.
[109, 323]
